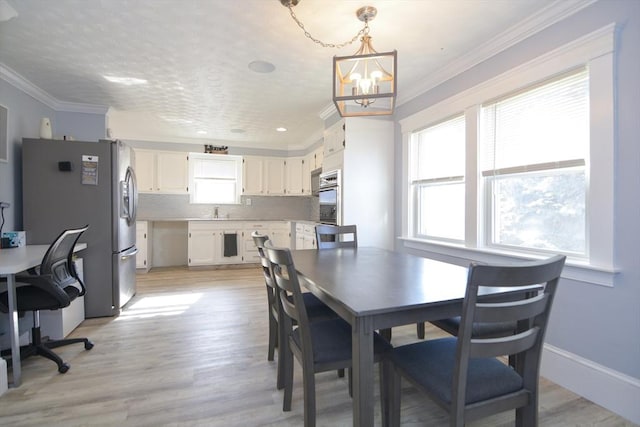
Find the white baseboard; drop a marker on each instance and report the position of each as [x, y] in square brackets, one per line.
[610, 389]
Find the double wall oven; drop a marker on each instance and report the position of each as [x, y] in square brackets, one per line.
[330, 197]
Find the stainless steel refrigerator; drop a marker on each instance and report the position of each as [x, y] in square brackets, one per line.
[67, 184]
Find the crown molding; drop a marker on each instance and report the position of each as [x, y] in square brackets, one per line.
[537, 22]
[15, 79]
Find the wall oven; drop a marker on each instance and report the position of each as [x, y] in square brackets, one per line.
[330, 197]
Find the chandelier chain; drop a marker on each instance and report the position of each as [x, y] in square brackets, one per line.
[363, 31]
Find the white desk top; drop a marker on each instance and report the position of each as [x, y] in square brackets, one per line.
[15, 260]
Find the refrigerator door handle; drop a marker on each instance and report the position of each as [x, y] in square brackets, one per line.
[129, 253]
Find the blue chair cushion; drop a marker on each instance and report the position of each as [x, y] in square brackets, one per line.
[431, 363]
[331, 341]
[316, 309]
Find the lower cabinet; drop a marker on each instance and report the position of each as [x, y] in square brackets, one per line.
[143, 244]
[214, 242]
[229, 242]
[305, 236]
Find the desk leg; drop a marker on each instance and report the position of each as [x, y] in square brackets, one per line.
[14, 332]
[362, 348]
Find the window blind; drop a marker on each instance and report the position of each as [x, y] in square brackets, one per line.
[543, 128]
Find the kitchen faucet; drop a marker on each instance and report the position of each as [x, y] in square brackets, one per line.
[215, 212]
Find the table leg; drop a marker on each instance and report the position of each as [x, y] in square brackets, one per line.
[362, 348]
[14, 332]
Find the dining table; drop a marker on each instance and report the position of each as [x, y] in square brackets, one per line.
[377, 289]
[12, 262]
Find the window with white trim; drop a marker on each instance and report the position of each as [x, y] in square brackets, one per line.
[533, 148]
[564, 179]
[215, 178]
[438, 164]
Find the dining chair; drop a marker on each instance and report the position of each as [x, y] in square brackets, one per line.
[317, 309]
[464, 374]
[50, 287]
[336, 236]
[318, 346]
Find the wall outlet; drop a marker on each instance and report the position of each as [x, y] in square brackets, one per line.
[4, 205]
[248, 202]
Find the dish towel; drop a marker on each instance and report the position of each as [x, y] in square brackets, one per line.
[231, 244]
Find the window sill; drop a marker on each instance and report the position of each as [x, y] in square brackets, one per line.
[573, 270]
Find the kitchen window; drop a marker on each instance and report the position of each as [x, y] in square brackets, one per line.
[215, 178]
[538, 154]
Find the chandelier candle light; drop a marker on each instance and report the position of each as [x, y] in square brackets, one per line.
[364, 83]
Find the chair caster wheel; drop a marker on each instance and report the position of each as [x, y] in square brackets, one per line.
[88, 345]
[63, 368]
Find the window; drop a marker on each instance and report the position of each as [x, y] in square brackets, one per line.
[540, 158]
[215, 178]
[534, 145]
[438, 180]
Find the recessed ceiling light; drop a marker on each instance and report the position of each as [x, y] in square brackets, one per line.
[261, 66]
[281, 129]
[127, 81]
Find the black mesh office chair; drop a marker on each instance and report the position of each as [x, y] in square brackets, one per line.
[53, 286]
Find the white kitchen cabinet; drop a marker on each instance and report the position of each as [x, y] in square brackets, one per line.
[305, 236]
[206, 242]
[143, 243]
[253, 176]
[334, 138]
[250, 252]
[295, 171]
[274, 177]
[280, 233]
[162, 171]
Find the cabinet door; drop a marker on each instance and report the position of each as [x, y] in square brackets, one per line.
[202, 247]
[172, 172]
[141, 244]
[274, 176]
[295, 171]
[145, 170]
[281, 238]
[307, 167]
[318, 156]
[253, 173]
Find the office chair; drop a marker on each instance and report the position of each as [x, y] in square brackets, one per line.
[51, 287]
[464, 375]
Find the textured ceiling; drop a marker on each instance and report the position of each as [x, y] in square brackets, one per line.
[194, 55]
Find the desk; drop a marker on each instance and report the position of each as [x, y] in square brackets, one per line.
[13, 261]
[377, 289]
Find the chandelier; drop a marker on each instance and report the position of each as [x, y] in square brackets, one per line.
[364, 84]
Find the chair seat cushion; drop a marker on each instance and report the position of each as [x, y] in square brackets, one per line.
[30, 298]
[480, 329]
[331, 340]
[316, 309]
[431, 363]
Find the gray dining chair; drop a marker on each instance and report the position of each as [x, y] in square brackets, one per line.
[317, 309]
[464, 375]
[336, 236]
[318, 346]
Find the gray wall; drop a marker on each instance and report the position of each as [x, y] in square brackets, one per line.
[597, 323]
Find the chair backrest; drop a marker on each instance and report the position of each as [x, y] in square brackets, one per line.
[291, 302]
[336, 236]
[58, 260]
[260, 240]
[530, 311]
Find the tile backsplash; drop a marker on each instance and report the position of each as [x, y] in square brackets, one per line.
[170, 206]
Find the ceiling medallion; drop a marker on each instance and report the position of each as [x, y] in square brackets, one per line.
[364, 84]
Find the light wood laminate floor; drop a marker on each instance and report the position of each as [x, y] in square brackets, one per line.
[191, 350]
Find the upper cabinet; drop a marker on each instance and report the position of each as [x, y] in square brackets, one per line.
[162, 171]
[253, 176]
[274, 176]
[334, 138]
[296, 184]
